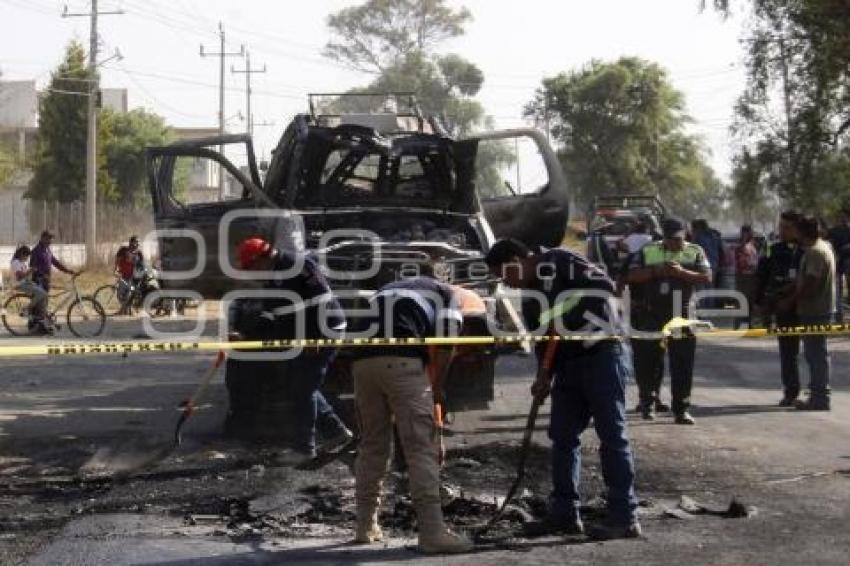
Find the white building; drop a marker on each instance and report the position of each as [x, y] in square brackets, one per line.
[18, 104]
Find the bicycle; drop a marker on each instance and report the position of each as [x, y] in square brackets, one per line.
[85, 316]
[115, 298]
[122, 297]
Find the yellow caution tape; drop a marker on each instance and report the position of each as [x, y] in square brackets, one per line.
[136, 347]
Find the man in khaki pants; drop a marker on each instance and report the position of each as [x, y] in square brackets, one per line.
[391, 386]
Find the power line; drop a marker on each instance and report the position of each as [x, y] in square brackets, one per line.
[271, 43]
[183, 80]
[156, 100]
[159, 17]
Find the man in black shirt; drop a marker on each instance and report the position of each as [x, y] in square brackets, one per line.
[314, 314]
[391, 384]
[777, 274]
[588, 378]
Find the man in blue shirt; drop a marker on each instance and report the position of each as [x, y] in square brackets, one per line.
[711, 243]
[588, 381]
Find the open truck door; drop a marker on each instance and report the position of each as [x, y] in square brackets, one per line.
[190, 202]
[521, 185]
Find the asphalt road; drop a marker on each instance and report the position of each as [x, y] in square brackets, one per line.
[61, 417]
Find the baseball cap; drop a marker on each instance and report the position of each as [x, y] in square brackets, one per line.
[673, 228]
[251, 250]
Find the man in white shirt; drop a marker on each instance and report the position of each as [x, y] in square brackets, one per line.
[639, 237]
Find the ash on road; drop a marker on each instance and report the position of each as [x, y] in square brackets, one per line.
[87, 474]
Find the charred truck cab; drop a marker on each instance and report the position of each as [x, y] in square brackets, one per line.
[375, 194]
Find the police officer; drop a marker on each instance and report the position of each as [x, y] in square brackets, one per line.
[669, 271]
[777, 274]
[589, 379]
[391, 384]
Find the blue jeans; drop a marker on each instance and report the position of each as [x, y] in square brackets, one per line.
[306, 374]
[593, 385]
[817, 358]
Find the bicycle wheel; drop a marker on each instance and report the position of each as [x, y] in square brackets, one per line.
[108, 298]
[86, 318]
[16, 314]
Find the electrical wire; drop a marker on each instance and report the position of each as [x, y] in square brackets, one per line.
[155, 99]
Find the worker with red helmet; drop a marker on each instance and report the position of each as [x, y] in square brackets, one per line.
[317, 309]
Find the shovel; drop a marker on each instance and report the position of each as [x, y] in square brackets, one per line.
[536, 403]
[189, 404]
[125, 460]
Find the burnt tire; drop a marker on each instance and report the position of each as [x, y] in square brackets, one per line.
[86, 318]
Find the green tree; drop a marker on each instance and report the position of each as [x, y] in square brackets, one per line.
[621, 126]
[377, 34]
[59, 168]
[398, 40]
[59, 172]
[793, 117]
[128, 134]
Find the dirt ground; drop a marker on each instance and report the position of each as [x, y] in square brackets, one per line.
[216, 500]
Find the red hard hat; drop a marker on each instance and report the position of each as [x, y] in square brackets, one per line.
[251, 250]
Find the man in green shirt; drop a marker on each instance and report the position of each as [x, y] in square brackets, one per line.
[814, 302]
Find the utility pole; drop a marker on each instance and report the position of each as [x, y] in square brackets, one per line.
[248, 71]
[91, 140]
[222, 54]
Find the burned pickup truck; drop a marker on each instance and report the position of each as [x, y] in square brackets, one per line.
[374, 195]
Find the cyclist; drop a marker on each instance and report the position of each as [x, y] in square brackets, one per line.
[129, 265]
[129, 259]
[42, 262]
[21, 281]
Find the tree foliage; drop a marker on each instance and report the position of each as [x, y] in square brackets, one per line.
[128, 134]
[443, 88]
[399, 41]
[621, 126]
[379, 33]
[793, 119]
[59, 172]
[60, 160]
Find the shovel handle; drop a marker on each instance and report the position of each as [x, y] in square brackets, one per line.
[188, 405]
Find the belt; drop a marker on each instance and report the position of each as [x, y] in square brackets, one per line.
[389, 362]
